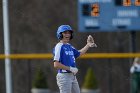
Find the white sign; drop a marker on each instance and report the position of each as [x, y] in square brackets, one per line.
[127, 13]
[121, 22]
[91, 23]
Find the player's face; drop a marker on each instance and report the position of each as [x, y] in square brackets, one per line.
[66, 36]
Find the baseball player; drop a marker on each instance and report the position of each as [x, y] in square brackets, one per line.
[64, 59]
[135, 72]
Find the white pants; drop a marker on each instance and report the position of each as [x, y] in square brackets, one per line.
[67, 83]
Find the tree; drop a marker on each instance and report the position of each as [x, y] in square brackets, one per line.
[90, 81]
[40, 80]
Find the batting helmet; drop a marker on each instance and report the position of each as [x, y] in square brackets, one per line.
[62, 29]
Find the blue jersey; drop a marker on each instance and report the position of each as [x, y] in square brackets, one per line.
[66, 55]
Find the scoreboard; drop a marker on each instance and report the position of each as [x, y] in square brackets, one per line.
[108, 15]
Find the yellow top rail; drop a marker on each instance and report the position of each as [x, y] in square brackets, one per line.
[86, 56]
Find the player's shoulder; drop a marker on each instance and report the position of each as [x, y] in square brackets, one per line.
[71, 46]
[59, 45]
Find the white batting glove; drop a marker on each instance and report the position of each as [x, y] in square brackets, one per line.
[90, 41]
[74, 70]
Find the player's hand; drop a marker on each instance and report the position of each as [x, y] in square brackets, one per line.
[90, 41]
[74, 70]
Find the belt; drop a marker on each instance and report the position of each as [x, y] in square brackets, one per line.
[65, 72]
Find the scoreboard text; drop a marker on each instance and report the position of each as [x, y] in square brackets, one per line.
[108, 15]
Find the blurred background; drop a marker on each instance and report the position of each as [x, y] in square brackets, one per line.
[33, 25]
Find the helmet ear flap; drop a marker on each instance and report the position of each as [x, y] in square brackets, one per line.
[60, 36]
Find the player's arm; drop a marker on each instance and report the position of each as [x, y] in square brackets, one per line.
[58, 65]
[90, 43]
[84, 49]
